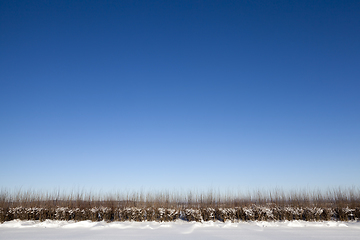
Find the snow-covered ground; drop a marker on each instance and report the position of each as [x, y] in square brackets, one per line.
[57, 230]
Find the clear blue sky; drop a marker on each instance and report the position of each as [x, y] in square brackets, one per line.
[179, 94]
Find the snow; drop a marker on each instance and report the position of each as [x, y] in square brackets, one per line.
[179, 229]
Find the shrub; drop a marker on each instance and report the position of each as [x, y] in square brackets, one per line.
[342, 205]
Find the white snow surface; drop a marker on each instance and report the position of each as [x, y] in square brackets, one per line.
[56, 230]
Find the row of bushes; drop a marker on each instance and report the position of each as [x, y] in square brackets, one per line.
[251, 213]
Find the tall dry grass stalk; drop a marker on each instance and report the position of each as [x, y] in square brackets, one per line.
[334, 204]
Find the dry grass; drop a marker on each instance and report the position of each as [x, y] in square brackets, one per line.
[337, 204]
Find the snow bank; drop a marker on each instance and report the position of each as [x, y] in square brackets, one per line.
[179, 229]
[154, 225]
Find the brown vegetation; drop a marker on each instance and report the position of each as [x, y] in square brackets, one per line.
[340, 205]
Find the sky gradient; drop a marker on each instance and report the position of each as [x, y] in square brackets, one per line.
[179, 94]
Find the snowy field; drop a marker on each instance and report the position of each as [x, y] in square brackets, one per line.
[178, 230]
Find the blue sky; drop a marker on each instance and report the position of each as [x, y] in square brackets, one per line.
[179, 94]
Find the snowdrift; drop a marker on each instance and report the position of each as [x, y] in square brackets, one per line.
[251, 230]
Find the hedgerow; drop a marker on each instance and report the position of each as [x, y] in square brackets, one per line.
[339, 205]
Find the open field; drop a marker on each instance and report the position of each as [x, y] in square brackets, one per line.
[338, 205]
